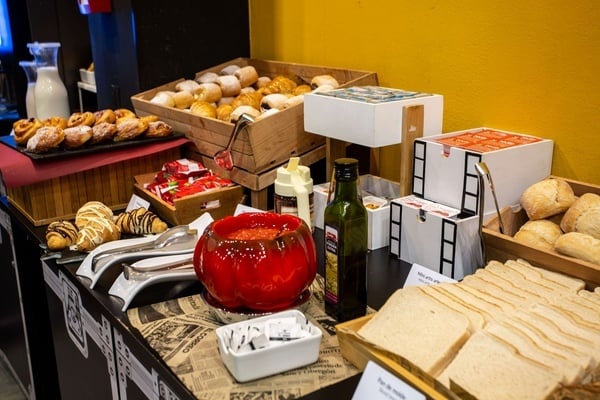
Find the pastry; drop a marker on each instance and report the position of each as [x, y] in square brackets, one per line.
[55, 121]
[106, 115]
[583, 216]
[301, 89]
[183, 99]
[25, 129]
[275, 100]
[60, 235]
[76, 136]
[247, 99]
[209, 92]
[103, 132]
[230, 85]
[45, 139]
[203, 109]
[122, 113]
[129, 129]
[140, 222]
[224, 112]
[321, 80]
[279, 84]
[81, 118]
[246, 75]
[92, 210]
[207, 77]
[292, 101]
[579, 245]
[95, 232]
[158, 129]
[149, 118]
[247, 89]
[164, 99]
[539, 233]
[546, 198]
[187, 85]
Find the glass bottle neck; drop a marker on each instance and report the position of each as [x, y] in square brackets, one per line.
[346, 190]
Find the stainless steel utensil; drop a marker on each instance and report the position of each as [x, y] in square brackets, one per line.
[483, 171]
[223, 157]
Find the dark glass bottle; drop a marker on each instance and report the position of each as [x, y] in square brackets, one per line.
[345, 223]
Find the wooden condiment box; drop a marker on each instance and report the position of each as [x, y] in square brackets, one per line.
[267, 142]
[219, 202]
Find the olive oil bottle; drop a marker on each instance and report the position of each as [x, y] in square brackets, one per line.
[345, 223]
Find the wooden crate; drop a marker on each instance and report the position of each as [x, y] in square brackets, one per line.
[359, 351]
[267, 142]
[60, 198]
[187, 209]
[503, 247]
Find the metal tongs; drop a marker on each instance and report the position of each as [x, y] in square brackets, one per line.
[223, 157]
[143, 273]
[483, 171]
[177, 240]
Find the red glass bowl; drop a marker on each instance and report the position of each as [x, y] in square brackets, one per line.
[258, 261]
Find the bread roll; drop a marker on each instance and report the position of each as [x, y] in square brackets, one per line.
[275, 100]
[164, 99]
[60, 235]
[540, 233]
[207, 77]
[208, 92]
[301, 89]
[187, 85]
[579, 245]
[321, 80]
[546, 198]
[262, 81]
[230, 85]
[583, 216]
[229, 70]
[183, 99]
[294, 100]
[246, 75]
[237, 112]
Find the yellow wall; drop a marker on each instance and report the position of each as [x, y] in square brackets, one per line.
[524, 66]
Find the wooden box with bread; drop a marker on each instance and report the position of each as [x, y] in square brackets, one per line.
[557, 226]
[206, 106]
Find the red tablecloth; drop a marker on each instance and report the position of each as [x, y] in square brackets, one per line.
[17, 169]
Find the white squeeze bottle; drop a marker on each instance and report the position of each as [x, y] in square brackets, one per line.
[51, 99]
[294, 191]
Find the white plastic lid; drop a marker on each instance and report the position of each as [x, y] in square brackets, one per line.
[292, 178]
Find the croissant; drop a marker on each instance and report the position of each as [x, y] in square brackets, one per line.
[224, 112]
[203, 109]
[279, 84]
[60, 235]
[96, 232]
[92, 210]
[209, 92]
[140, 222]
[247, 99]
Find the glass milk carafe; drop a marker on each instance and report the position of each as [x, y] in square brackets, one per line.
[51, 99]
[30, 69]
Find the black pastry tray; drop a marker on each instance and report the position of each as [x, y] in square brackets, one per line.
[61, 152]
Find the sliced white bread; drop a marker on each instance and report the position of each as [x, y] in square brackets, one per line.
[562, 279]
[505, 305]
[571, 372]
[517, 281]
[547, 341]
[493, 310]
[582, 310]
[508, 286]
[417, 328]
[477, 282]
[569, 322]
[476, 319]
[486, 368]
[524, 268]
[590, 296]
[512, 273]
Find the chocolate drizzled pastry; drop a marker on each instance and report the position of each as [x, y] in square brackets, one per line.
[140, 222]
[60, 235]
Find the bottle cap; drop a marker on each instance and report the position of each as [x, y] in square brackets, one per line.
[295, 181]
[346, 169]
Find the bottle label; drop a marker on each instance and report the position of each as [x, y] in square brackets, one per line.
[331, 264]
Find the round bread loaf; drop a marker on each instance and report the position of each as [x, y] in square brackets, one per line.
[583, 216]
[540, 233]
[546, 198]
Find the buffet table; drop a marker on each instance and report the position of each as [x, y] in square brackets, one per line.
[97, 343]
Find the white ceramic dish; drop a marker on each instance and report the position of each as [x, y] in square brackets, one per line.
[278, 357]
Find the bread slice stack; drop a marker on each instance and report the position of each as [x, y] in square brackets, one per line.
[509, 331]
